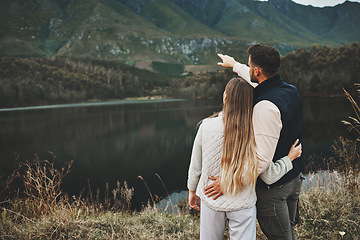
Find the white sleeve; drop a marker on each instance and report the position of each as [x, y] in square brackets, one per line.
[243, 71]
[276, 170]
[195, 167]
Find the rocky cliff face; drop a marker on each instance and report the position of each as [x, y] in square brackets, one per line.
[182, 31]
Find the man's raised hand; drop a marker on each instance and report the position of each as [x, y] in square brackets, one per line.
[227, 61]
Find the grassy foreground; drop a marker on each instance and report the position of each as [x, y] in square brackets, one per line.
[329, 208]
[64, 224]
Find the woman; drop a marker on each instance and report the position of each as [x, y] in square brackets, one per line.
[224, 146]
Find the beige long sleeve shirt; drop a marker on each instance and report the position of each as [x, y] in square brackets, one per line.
[267, 126]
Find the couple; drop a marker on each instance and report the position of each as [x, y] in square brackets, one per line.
[248, 153]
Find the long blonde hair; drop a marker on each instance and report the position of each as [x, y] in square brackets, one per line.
[238, 162]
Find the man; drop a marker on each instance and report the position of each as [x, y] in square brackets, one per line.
[277, 122]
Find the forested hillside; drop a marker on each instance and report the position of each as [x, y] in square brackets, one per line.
[174, 31]
[323, 71]
[39, 81]
[319, 71]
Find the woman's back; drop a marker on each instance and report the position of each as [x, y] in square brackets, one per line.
[210, 137]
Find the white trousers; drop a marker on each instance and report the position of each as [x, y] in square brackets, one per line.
[242, 224]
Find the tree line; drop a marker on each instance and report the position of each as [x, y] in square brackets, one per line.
[39, 81]
[202, 85]
[322, 71]
[318, 71]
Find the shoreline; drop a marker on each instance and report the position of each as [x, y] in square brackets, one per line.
[94, 103]
[129, 100]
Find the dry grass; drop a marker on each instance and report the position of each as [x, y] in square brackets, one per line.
[327, 207]
[62, 224]
[42, 211]
[42, 182]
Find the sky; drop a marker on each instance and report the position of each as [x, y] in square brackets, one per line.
[321, 3]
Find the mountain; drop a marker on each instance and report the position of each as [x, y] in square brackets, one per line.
[175, 31]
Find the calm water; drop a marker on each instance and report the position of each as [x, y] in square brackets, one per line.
[118, 141]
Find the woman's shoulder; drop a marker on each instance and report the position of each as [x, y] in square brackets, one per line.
[213, 123]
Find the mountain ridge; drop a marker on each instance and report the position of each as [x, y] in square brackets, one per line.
[176, 31]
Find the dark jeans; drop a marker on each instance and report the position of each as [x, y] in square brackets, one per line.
[277, 209]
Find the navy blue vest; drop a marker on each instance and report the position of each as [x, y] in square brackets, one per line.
[287, 98]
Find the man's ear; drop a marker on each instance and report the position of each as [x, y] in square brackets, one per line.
[257, 71]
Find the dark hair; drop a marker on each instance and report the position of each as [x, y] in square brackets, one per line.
[265, 57]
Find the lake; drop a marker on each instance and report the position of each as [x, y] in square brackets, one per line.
[121, 140]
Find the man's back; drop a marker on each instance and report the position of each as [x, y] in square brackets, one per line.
[287, 99]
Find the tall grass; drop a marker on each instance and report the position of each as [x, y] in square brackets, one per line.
[328, 207]
[44, 212]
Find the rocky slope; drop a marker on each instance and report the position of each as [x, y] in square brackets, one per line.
[175, 31]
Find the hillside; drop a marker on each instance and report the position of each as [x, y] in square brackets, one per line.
[176, 31]
[43, 81]
[318, 71]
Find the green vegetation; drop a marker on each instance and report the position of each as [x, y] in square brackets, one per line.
[168, 69]
[38, 81]
[315, 72]
[183, 32]
[203, 85]
[322, 71]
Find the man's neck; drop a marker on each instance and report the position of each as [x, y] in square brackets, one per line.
[263, 78]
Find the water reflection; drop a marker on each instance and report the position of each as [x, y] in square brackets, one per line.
[110, 143]
[322, 123]
[122, 141]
